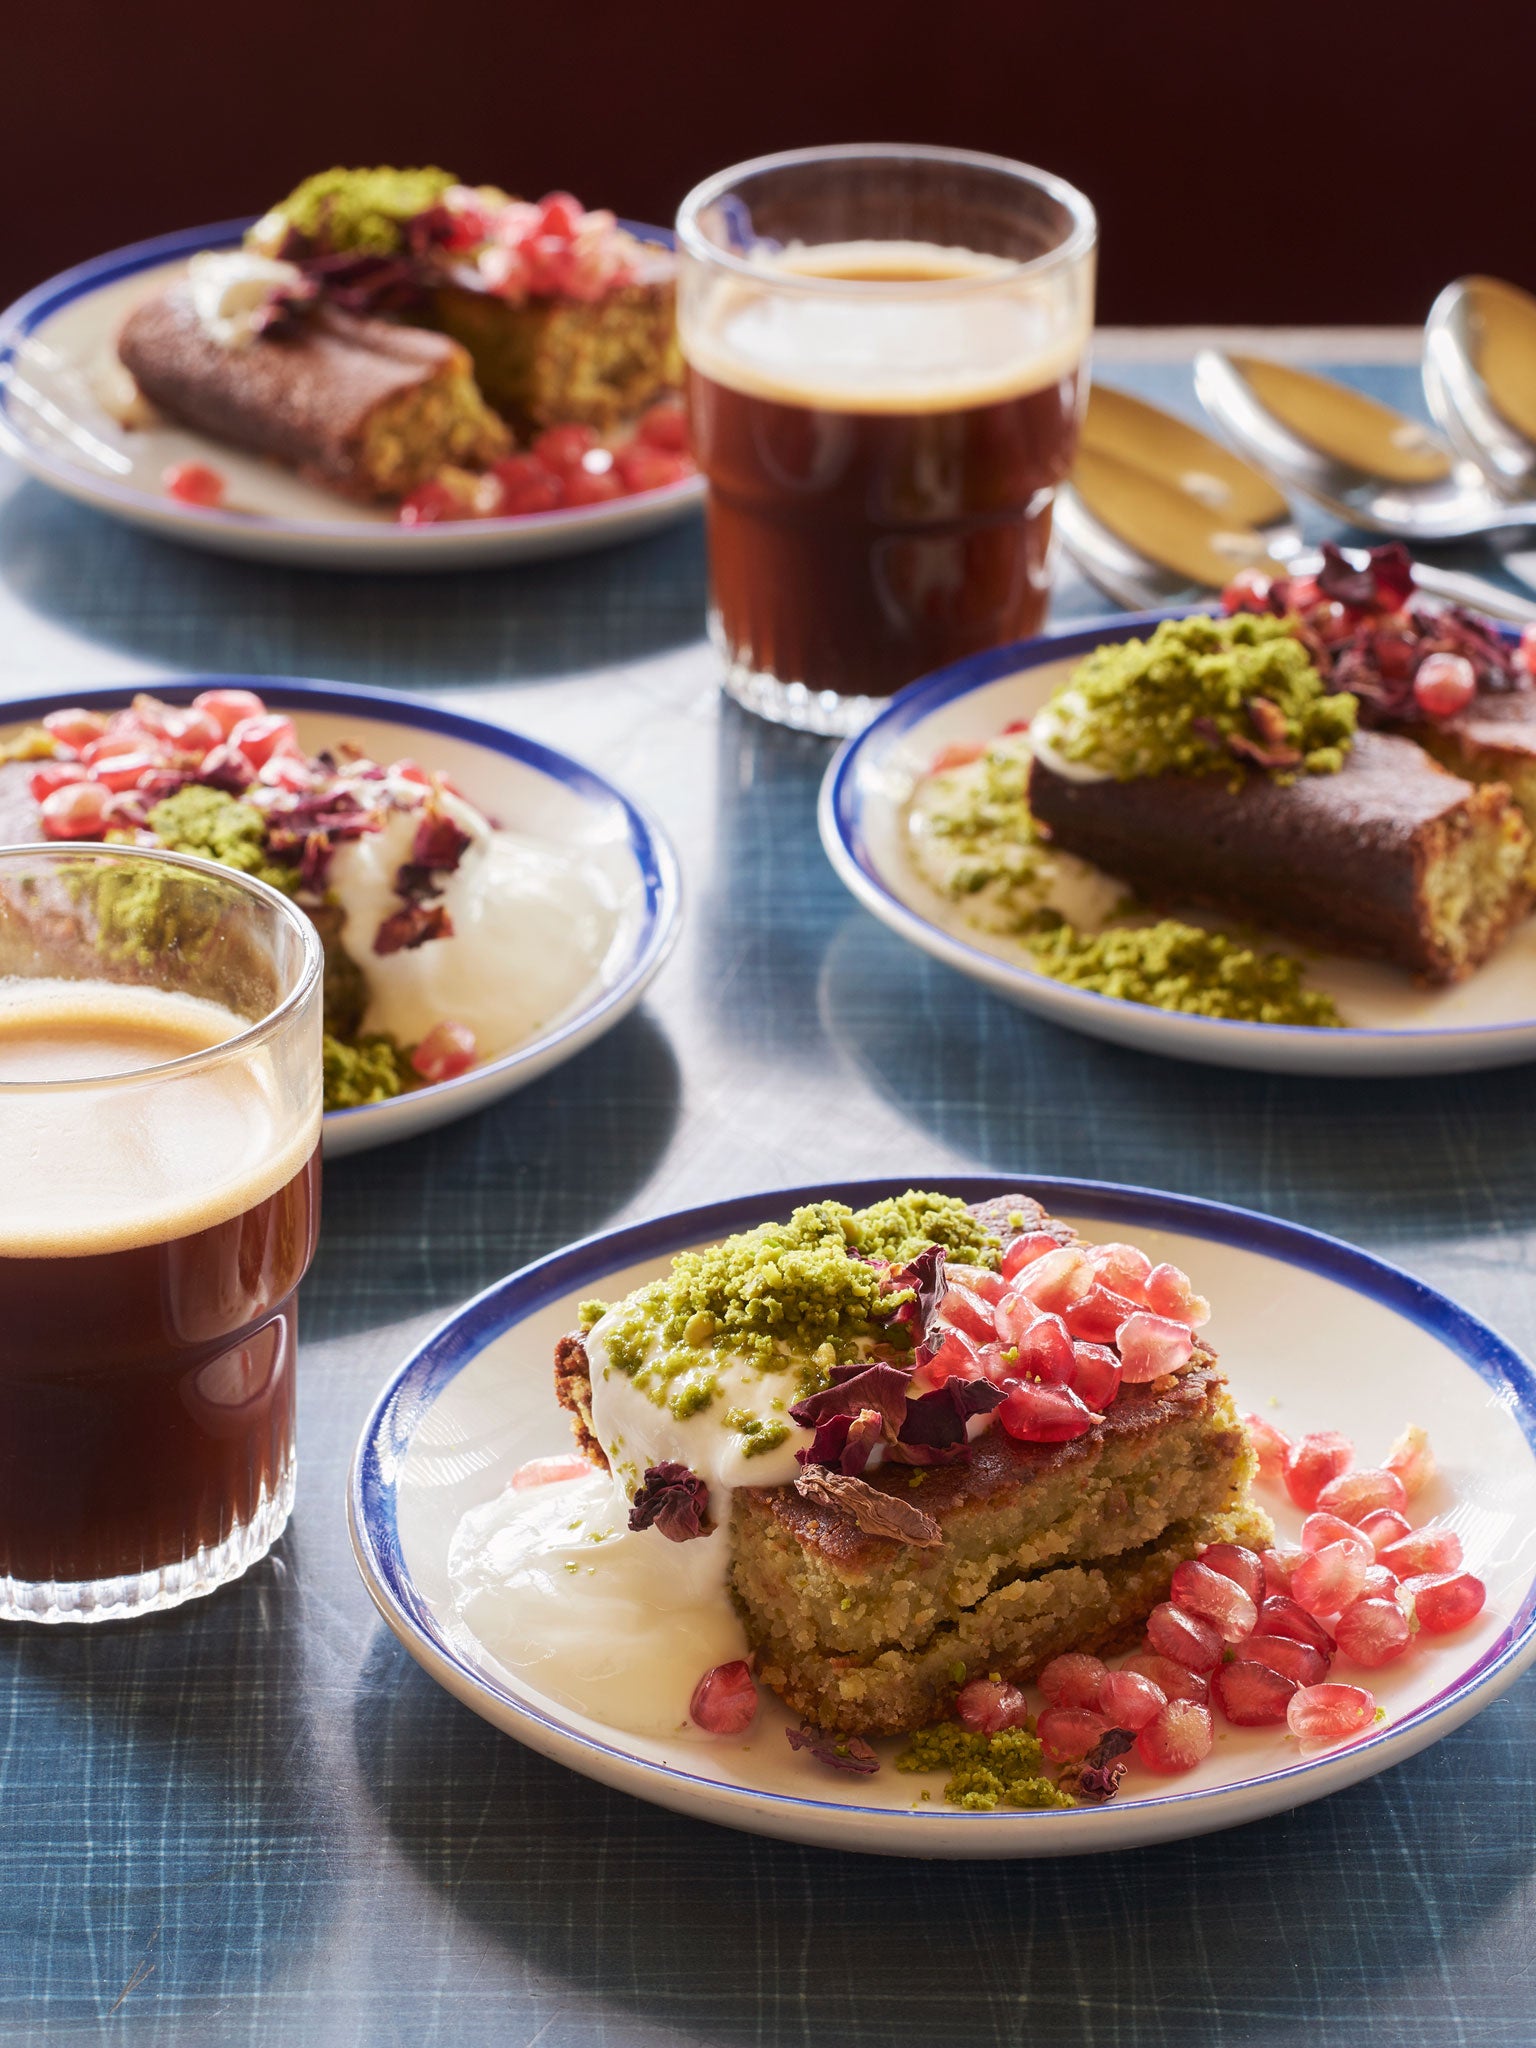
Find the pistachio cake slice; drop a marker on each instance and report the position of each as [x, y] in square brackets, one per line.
[943, 1441]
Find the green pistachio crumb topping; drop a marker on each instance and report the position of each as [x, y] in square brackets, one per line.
[981, 815]
[783, 1298]
[1173, 966]
[364, 210]
[758, 1433]
[985, 1771]
[218, 826]
[373, 1068]
[1167, 705]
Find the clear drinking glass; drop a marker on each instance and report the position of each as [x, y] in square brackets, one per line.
[886, 361]
[160, 1087]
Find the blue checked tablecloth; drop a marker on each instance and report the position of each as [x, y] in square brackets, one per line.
[256, 1821]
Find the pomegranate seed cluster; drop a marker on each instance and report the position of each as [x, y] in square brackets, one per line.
[282, 811]
[1061, 1329]
[564, 467]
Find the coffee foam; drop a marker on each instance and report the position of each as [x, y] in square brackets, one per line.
[135, 1160]
[889, 352]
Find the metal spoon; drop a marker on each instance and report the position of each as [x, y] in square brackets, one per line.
[1480, 379]
[1147, 540]
[1360, 459]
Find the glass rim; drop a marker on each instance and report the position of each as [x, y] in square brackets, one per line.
[1079, 243]
[255, 1034]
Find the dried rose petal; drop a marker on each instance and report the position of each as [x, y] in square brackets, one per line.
[673, 1500]
[838, 1752]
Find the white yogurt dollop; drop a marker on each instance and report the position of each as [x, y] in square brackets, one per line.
[229, 287]
[619, 1626]
[531, 924]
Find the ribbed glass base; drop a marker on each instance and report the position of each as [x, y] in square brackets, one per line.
[168, 1585]
[794, 704]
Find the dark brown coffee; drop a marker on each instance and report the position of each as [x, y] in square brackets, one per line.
[147, 1336]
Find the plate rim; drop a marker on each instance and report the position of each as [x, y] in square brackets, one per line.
[839, 813]
[24, 315]
[652, 850]
[461, 1337]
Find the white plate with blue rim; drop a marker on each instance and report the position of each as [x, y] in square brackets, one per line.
[1313, 1333]
[1392, 1026]
[61, 407]
[622, 858]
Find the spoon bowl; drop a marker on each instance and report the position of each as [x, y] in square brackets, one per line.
[1480, 379]
[1359, 459]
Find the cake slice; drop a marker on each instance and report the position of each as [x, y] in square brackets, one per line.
[873, 1591]
[363, 406]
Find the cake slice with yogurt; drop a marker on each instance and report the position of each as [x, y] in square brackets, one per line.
[942, 1441]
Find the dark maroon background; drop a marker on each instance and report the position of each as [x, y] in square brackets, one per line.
[1318, 163]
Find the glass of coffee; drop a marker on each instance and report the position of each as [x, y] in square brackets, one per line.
[886, 364]
[160, 1081]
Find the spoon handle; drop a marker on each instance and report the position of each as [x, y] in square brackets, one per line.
[1474, 591]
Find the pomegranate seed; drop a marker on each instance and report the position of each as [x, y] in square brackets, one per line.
[75, 726]
[1278, 1566]
[1252, 1695]
[1170, 1294]
[1044, 1414]
[1177, 1740]
[80, 810]
[1056, 1281]
[1184, 1637]
[1014, 1317]
[1378, 1583]
[1271, 1447]
[1320, 1529]
[1373, 1631]
[958, 755]
[1298, 1661]
[1233, 1561]
[194, 483]
[54, 775]
[1324, 1714]
[123, 771]
[1073, 1680]
[988, 1706]
[561, 448]
[992, 1287]
[1095, 1375]
[967, 1312]
[260, 738]
[527, 485]
[428, 505]
[642, 468]
[1384, 1527]
[229, 763]
[725, 1700]
[1445, 1601]
[1326, 1581]
[1433, 1548]
[1174, 1681]
[447, 1050]
[1025, 1250]
[594, 487]
[193, 732]
[560, 215]
[228, 708]
[1214, 1598]
[1151, 1346]
[1122, 1268]
[1247, 592]
[1412, 1459]
[954, 1359]
[129, 739]
[1527, 651]
[1313, 1462]
[1444, 684]
[1129, 1699]
[1045, 1352]
[1066, 1732]
[407, 770]
[548, 1471]
[1282, 1616]
[1098, 1316]
[664, 426]
[1354, 1494]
